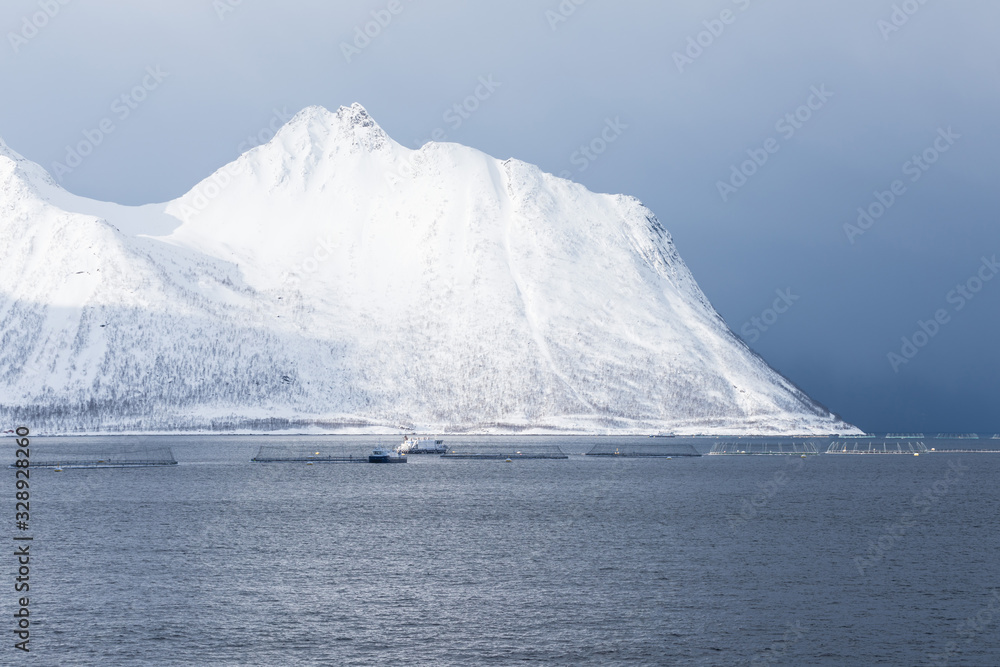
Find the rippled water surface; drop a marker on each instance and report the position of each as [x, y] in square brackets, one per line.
[832, 560]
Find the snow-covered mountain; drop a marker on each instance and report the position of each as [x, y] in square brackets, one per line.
[334, 279]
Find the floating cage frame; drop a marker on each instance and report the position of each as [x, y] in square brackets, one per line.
[504, 451]
[644, 450]
[312, 454]
[917, 436]
[973, 448]
[957, 436]
[763, 449]
[877, 447]
[127, 458]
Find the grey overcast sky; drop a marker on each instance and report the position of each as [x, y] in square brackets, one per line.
[754, 129]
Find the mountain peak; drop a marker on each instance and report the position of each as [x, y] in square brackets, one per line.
[8, 152]
[24, 168]
[349, 126]
[355, 115]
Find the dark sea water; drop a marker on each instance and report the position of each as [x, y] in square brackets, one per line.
[829, 560]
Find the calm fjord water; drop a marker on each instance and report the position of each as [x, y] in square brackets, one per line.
[830, 560]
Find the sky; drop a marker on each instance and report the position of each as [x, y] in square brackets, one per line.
[826, 169]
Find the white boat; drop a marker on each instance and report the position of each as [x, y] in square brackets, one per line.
[421, 445]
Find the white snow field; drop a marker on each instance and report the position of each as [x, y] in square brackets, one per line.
[334, 280]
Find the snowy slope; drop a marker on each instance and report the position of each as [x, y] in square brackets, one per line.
[333, 278]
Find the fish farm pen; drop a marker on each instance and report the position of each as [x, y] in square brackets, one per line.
[763, 449]
[905, 435]
[503, 452]
[639, 450]
[312, 454]
[898, 447]
[971, 448]
[134, 458]
[957, 436]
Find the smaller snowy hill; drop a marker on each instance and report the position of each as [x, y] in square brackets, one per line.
[333, 279]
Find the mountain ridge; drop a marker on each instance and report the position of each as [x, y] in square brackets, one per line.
[340, 280]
